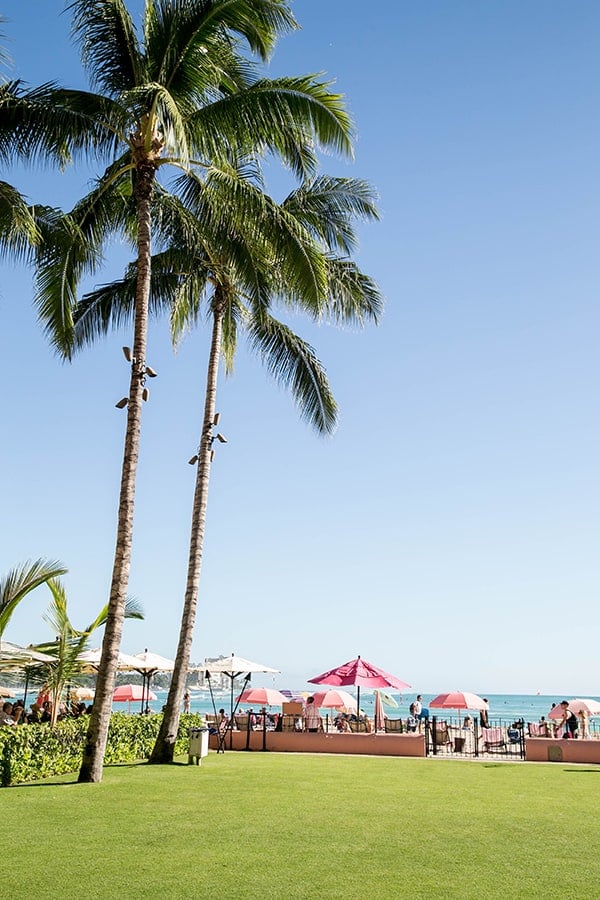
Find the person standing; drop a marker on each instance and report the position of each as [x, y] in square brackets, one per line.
[484, 714]
[312, 719]
[569, 721]
[418, 709]
[186, 702]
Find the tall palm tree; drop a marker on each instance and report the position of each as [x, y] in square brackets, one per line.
[228, 254]
[179, 94]
[70, 642]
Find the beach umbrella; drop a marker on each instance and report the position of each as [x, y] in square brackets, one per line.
[387, 700]
[458, 700]
[130, 693]
[14, 658]
[591, 707]
[233, 667]
[90, 660]
[262, 696]
[360, 673]
[82, 693]
[378, 713]
[334, 700]
[296, 696]
[148, 664]
[21, 656]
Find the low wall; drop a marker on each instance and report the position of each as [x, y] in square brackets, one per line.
[332, 742]
[569, 751]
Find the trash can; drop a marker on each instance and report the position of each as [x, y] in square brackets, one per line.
[198, 745]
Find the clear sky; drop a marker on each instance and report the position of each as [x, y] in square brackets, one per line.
[449, 531]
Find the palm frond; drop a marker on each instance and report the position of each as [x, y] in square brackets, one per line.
[20, 580]
[353, 297]
[18, 230]
[285, 116]
[328, 208]
[110, 50]
[294, 365]
[71, 247]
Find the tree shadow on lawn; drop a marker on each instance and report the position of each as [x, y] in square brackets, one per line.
[51, 782]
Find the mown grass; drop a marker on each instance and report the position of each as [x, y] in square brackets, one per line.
[288, 826]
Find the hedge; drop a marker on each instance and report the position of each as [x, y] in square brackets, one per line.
[31, 752]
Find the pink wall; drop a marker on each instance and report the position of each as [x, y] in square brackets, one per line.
[549, 750]
[302, 742]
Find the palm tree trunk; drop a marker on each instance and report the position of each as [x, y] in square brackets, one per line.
[95, 746]
[164, 747]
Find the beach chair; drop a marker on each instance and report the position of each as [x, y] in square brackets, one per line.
[493, 739]
[241, 723]
[393, 726]
[358, 727]
[441, 737]
[288, 723]
[538, 729]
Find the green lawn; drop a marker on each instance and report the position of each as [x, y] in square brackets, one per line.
[287, 826]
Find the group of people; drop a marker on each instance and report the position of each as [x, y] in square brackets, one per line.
[17, 714]
[569, 725]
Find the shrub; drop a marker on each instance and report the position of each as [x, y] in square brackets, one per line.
[30, 752]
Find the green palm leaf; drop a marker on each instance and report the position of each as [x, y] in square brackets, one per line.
[20, 581]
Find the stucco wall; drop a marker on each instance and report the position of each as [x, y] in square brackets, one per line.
[549, 750]
[302, 742]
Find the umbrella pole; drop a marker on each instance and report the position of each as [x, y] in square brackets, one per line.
[26, 686]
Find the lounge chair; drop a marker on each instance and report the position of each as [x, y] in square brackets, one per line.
[441, 737]
[356, 727]
[393, 726]
[538, 729]
[493, 739]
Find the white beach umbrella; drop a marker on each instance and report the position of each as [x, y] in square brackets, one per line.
[149, 664]
[91, 660]
[21, 656]
[233, 666]
[236, 665]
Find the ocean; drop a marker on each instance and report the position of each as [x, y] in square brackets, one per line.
[504, 708]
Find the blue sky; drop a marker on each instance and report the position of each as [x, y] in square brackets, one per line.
[449, 530]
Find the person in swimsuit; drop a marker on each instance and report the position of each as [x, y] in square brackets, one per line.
[569, 720]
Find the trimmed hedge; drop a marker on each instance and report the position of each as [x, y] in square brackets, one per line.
[31, 752]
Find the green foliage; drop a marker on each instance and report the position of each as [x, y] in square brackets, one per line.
[30, 752]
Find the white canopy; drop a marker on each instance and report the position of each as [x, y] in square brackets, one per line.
[236, 665]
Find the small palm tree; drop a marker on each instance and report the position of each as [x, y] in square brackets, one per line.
[177, 96]
[70, 642]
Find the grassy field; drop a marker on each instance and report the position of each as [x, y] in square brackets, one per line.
[287, 826]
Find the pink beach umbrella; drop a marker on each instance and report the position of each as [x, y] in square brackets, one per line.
[129, 693]
[591, 707]
[361, 673]
[379, 714]
[262, 696]
[334, 700]
[458, 700]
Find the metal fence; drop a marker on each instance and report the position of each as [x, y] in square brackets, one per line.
[466, 738]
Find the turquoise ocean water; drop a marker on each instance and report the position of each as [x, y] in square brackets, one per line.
[503, 707]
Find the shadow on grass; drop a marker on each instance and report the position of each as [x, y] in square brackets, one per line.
[51, 782]
[595, 771]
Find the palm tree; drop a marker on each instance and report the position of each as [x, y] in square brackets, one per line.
[20, 581]
[70, 642]
[228, 254]
[178, 96]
